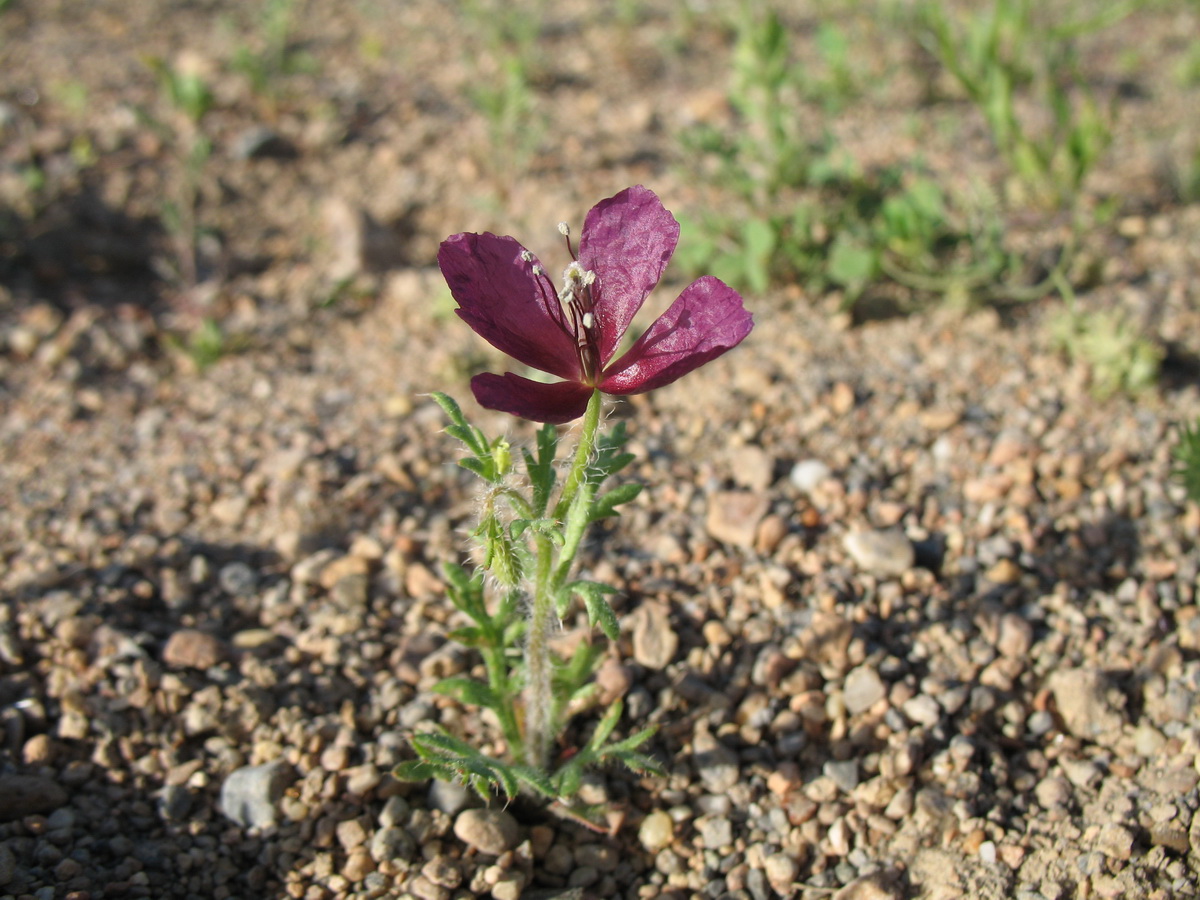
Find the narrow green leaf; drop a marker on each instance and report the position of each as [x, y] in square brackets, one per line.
[605, 505]
[536, 779]
[638, 762]
[605, 727]
[569, 778]
[468, 690]
[600, 614]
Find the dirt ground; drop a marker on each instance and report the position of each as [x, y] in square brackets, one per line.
[913, 606]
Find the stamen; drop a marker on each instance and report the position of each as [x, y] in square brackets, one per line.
[526, 256]
[588, 320]
[564, 229]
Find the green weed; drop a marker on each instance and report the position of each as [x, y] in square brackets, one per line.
[1187, 458]
[1120, 358]
[1008, 53]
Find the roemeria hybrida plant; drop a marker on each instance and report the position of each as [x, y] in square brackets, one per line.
[529, 533]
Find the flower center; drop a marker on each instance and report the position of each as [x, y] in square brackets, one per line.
[576, 298]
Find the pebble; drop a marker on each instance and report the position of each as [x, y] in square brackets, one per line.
[863, 689]
[808, 474]
[886, 554]
[491, 831]
[27, 795]
[655, 642]
[715, 832]
[1082, 698]
[733, 516]
[715, 763]
[450, 797]
[657, 831]
[190, 648]
[8, 865]
[249, 795]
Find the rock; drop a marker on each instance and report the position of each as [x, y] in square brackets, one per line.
[863, 689]
[877, 886]
[190, 648]
[807, 474]
[715, 763]
[491, 831]
[249, 795]
[752, 467]
[260, 142]
[391, 843]
[654, 640]
[657, 831]
[1082, 698]
[733, 516]
[27, 795]
[8, 865]
[843, 773]
[449, 797]
[716, 832]
[1115, 841]
[781, 870]
[886, 554]
[1016, 636]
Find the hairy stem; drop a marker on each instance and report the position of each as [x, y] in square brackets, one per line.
[540, 708]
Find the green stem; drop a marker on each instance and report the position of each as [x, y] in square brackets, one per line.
[583, 453]
[540, 708]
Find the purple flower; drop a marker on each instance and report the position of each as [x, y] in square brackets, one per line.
[504, 293]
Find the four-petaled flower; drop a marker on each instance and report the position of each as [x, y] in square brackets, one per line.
[503, 293]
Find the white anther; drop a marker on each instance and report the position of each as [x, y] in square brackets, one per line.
[588, 320]
[537, 271]
[563, 229]
[526, 256]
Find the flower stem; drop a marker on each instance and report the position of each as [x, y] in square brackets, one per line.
[541, 711]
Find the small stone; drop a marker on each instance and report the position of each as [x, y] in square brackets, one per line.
[260, 142]
[361, 780]
[190, 648]
[657, 831]
[863, 689]
[877, 886]
[8, 865]
[715, 832]
[249, 795]
[654, 640]
[600, 857]
[1081, 696]
[807, 474]
[843, 773]
[1115, 841]
[491, 831]
[351, 834]
[781, 872]
[752, 467]
[391, 843]
[1016, 636]
[449, 797]
[442, 871]
[38, 750]
[359, 865]
[1052, 793]
[715, 763]
[238, 579]
[923, 710]
[733, 516]
[613, 680]
[27, 795]
[886, 554]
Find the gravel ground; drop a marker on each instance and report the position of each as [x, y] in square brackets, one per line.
[914, 610]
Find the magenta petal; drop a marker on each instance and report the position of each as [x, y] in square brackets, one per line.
[555, 403]
[627, 241]
[707, 319]
[509, 306]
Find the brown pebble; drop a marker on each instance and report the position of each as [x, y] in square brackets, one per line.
[190, 648]
[38, 750]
